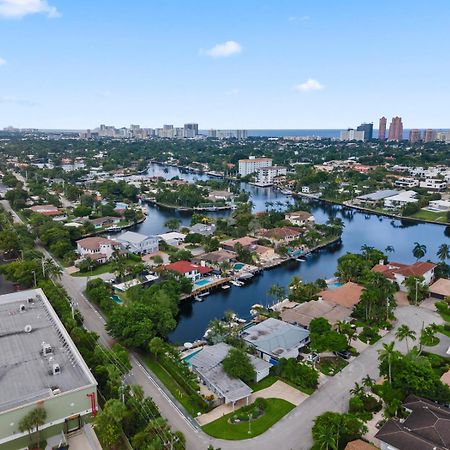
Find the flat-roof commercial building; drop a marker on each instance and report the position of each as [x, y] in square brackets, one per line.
[39, 367]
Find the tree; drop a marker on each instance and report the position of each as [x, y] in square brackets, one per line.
[389, 249]
[108, 422]
[27, 424]
[419, 250]
[157, 347]
[32, 421]
[405, 333]
[443, 252]
[172, 224]
[237, 364]
[277, 292]
[417, 289]
[386, 355]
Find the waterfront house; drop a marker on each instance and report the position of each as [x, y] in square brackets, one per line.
[400, 200]
[245, 241]
[103, 222]
[281, 235]
[49, 211]
[191, 271]
[220, 195]
[97, 248]
[217, 258]
[138, 243]
[205, 229]
[300, 218]
[398, 272]
[347, 295]
[207, 364]
[427, 427]
[172, 238]
[375, 197]
[303, 313]
[439, 205]
[265, 254]
[274, 339]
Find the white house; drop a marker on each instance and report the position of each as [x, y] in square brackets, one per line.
[299, 218]
[434, 184]
[97, 248]
[400, 200]
[172, 238]
[138, 243]
[439, 205]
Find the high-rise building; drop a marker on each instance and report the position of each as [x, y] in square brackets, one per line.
[241, 134]
[382, 129]
[396, 129]
[212, 133]
[251, 165]
[414, 135]
[352, 135]
[190, 130]
[428, 135]
[368, 130]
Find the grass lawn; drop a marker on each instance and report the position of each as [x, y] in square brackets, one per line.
[331, 365]
[445, 329]
[222, 429]
[175, 389]
[431, 215]
[103, 268]
[264, 383]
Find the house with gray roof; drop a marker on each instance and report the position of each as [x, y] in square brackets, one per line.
[207, 364]
[274, 339]
[138, 243]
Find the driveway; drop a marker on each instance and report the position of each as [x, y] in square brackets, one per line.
[442, 347]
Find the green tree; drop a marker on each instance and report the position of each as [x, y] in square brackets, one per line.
[172, 224]
[276, 292]
[405, 333]
[417, 289]
[443, 252]
[108, 422]
[237, 364]
[419, 250]
[386, 356]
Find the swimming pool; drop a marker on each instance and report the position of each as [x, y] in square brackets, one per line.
[116, 299]
[201, 283]
[187, 358]
[335, 285]
[239, 266]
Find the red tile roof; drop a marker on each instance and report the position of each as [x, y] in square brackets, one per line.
[347, 295]
[281, 232]
[186, 266]
[417, 269]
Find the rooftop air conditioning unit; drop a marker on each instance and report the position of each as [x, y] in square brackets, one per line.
[46, 349]
[27, 328]
[31, 300]
[22, 307]
[56, 369]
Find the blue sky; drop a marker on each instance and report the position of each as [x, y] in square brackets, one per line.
[224, 63]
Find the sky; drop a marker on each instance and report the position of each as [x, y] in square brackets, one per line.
[226, 64]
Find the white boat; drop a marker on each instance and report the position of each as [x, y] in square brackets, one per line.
[236, 283]
[203, 294]
[300, 259]
[225, 286]
[246, 276]
[198, 298]
[114, 228]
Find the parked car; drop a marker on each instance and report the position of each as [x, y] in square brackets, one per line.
[312, 357]
[344, 354]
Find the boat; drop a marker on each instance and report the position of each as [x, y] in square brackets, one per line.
[203, 294]
[300, 259]
[246, 276]
[236, 283]
[114, 228]
[225, 286]
[197, 298]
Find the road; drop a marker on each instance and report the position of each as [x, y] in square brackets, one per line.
[291, 432]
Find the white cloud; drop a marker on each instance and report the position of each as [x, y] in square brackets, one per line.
[228, 48]
[2, 62]
[298, 18]
[233, 92]
[309, 85]
[17, 9]
[17, 101]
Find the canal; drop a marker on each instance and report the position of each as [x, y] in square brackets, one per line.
[359, 229]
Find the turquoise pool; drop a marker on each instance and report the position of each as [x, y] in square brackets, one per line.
[239, 266]
[201, 283]
[335, 285]
[187, 358]
[116, 299]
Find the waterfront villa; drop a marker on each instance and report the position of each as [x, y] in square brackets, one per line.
[217, 258]
[245, 241]
[97, 248]
[274, 339]
[347, 295]
[137, 243]
[398, 272]
[191, 271]
[281, 234]
[172, 238]
[205, 229]
[300, 218]
[103, 222]
[207, 364]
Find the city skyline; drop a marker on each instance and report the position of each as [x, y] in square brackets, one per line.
[252, 66]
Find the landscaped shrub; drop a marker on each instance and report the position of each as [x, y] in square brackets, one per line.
[369, 335]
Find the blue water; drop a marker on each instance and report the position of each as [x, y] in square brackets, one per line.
[116, 299]
[239, 266]
[190, 356]
[201, 283]
[359, 229]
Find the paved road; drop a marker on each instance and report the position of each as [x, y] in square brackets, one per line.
[291, 432]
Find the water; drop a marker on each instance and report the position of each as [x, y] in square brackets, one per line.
[359, 229]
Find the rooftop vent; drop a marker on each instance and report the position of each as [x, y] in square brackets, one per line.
[46, 349]
[56, 391]
[56, 370]
[22, 307]
[31, 300]
[27, 328]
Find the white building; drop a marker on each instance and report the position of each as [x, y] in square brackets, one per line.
[352, 135]
[138, 243]
[439, 205]
[251, 165]
[265, 175]
[172, 238]
[306, 190]
[400, 200]
[434, 184]
[407, 182]
[97, 248]
[300, 218]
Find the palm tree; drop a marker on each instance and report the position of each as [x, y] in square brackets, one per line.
[368, 381]
[276, 291]
[51, 269]
[405, 333]
[419, 250]
[39, 416]
[443, 252]
[26, 424]
[326, 439]
[358, 390]
[389, 249]
[427, 335]
[385, 355]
